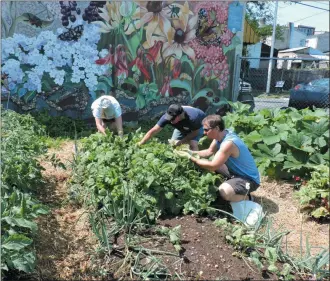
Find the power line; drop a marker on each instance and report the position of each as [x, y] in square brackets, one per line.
[311, 6]
[321, 3]
[309, 16]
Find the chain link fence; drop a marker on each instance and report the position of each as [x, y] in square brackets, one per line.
[294, 82]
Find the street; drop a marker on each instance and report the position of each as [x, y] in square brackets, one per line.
[261, 103]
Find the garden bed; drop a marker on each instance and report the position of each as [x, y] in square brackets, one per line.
[66, 245]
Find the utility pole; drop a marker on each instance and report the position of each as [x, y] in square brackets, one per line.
[270, 65]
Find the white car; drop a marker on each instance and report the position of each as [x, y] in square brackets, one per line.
[244, 86]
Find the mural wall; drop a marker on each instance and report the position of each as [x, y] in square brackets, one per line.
[63, 55]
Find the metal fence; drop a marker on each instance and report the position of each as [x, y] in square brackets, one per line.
[294, 82]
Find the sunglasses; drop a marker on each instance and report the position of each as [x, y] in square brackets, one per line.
[207, 129]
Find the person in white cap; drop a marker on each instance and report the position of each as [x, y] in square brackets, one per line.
[106, 109]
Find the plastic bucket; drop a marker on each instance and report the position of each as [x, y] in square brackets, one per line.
[248, 212]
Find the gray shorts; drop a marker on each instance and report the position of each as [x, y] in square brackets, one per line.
[178, 135]
[239, 185]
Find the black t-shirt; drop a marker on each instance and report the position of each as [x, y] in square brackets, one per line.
[192, 121]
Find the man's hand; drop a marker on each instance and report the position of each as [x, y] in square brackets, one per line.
[173, 142]
[186, 154]
[139, 143]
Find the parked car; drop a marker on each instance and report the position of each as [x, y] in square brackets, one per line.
[314, 93]
[244, 86]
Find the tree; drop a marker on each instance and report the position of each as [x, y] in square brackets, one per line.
[260, 16]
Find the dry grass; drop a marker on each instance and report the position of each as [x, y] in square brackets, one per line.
[278, 201]
[65, 243]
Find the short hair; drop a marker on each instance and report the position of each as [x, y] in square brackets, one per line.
[214, 121]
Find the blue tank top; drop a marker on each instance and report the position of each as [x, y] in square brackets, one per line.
[244, 164]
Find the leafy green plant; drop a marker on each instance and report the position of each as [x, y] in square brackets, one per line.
[61, 126]
[314, 196]
[287, 143]
[20, 178]
[108, 167]
[264, 247]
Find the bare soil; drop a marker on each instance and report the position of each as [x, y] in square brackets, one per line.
[67, 248]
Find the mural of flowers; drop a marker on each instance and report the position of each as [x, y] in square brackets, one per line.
[154, 14]
[150, 50]
[179, 37]
[117, 13]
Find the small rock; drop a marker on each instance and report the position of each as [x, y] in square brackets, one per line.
[216, 266]
[208, 265]
[198, 240]
[192, 247]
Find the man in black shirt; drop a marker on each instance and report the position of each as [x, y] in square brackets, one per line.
[187, 122]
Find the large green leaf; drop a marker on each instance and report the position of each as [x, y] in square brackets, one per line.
[252, 138]
[300, 141]
[16, 242]
[272, 152]
[316, 129]
[24, 261]
[320, 142]
[269, 135]
[296, 159]
[21, 223]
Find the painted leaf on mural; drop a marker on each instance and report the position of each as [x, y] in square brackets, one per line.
[140, 101]
[234, 43]
[107, 80]
[187, 60]
[101, 86]
[134, 43]
[206, 93]
[184, 84]
[22, 92]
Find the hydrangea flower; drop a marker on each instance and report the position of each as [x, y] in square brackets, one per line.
[45, 53]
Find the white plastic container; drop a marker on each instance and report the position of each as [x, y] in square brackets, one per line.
[248, 212]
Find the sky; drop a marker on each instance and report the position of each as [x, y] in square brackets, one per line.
[304, 15]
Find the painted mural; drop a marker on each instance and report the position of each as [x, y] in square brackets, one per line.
[148, 54]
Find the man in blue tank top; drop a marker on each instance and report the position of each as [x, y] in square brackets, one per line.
[187, 122]
[232, 159]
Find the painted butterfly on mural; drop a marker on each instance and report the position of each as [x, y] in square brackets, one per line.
[208, 34]
[34, 20]
[73, 34]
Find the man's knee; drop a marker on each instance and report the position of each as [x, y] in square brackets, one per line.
[226, 191]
